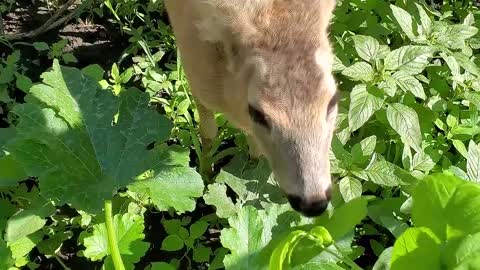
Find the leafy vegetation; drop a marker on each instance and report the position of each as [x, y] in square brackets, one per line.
[99, 159]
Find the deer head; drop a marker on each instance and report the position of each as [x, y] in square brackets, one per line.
[279, 52]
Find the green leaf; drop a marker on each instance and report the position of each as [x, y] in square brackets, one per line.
[363, 105]
[473, 162]
[162, 266]
[69, 58]
[23, 82]
[40, 46]
[217, 196]
[404, 120]
[454, 36]
[30, 220]
[350, 188]
[6, 260]
[318, 266]
[405, 20]
[11, 172]
[52, 245]
[422, 162]
[202, 254]
[383, 261]
[198, 228]
[462, 212]
[281, 251]
[346, 217]
[411, 60]
[429, 211]
[409, 84]
[360, 71]
[172, 226]
[250, 231]
[176, 187]
[426, 22]
[66, 137]
[95, 71]
[22, 247]
[129, 232]
[172, 242]
[380, 172]
[367, 47]
[417, 248]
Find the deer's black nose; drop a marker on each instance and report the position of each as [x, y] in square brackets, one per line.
[309, 208]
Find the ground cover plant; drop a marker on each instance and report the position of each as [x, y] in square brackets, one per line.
[100, 152]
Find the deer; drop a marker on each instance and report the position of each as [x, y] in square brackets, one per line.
[266, 65]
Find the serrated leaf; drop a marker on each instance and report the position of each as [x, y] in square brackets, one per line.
[409, 84]
[405, 20]
[129, 231]
[350, 188]
[250, 231]
[172, 242]
[410, 59]
[217, 196]
[381, 173]
[360, 71]
[426, 22]
[422, 162]
[79, 156]
[404, 120]
[367, 47]
[473, 162]
[362, 106]
[176, 187]
[454, 36]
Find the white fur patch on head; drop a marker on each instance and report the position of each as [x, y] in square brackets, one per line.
[324, 61]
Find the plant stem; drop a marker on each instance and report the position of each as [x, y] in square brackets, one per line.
[112, 238]
[344, 258]
[61, 262]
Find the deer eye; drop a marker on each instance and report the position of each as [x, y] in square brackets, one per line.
[258, 117]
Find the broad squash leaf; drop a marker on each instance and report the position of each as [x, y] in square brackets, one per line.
[65, 136]
[129, 230]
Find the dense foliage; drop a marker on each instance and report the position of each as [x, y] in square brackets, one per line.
[78, 136]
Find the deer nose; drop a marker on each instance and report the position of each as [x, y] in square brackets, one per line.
[309, 208]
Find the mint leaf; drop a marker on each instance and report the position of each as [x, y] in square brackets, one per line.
[129, 230]
[367, 47]
[66, 137]
[360, 71]
[362, 106]
[404, 120]
[405, 20]
[409, 84]
[318, 265]
[410, 59]
[473, 162]
[350, 188]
